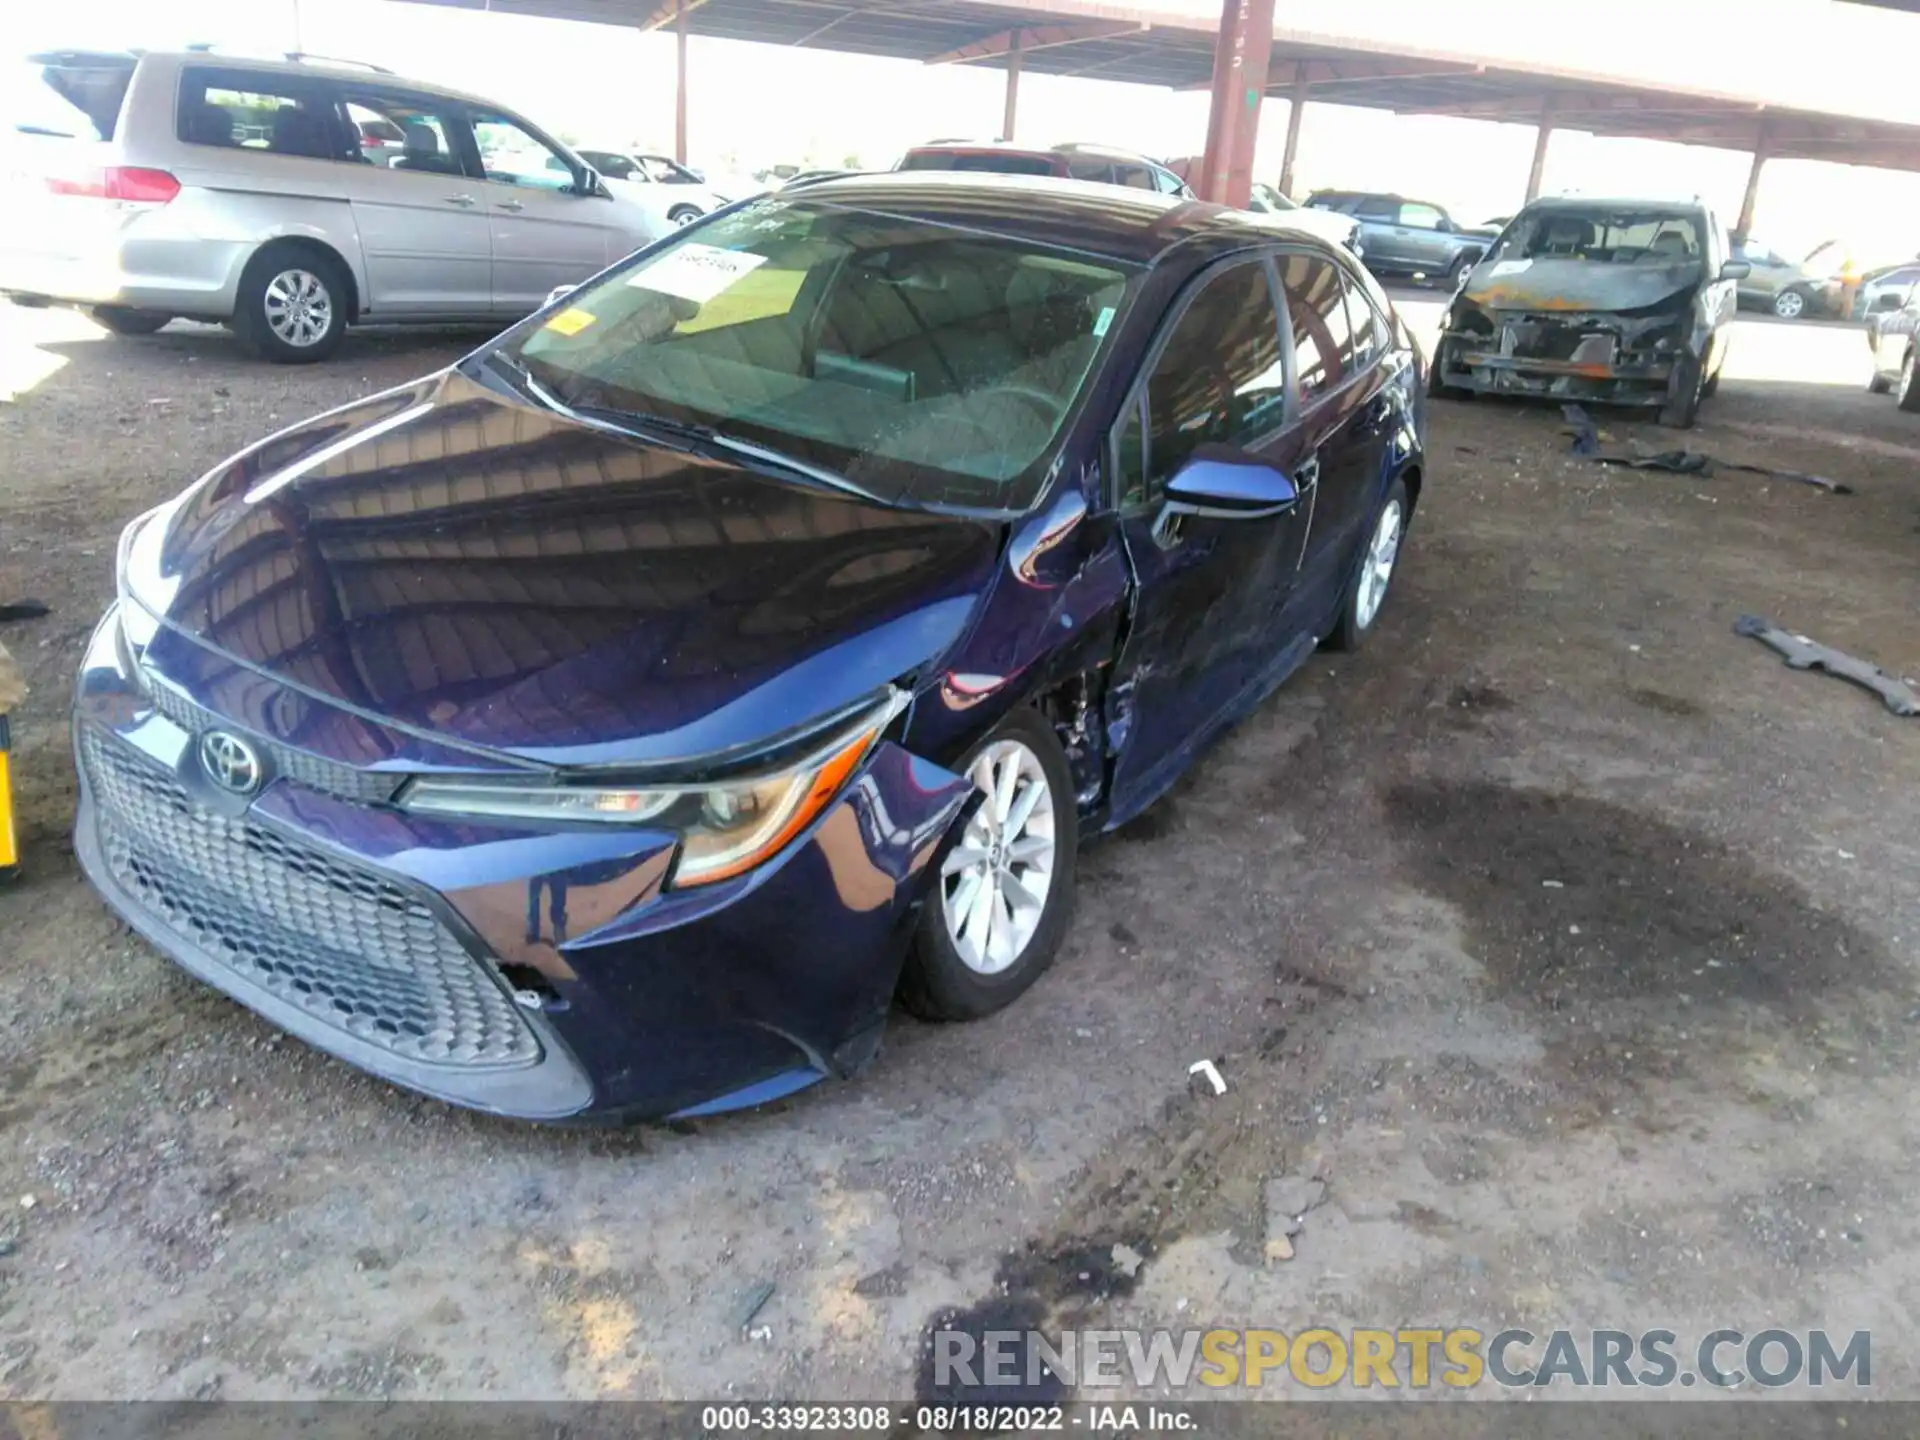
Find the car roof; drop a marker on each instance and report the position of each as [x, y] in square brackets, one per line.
[1009, 147]
[1615, 202]
[331, 68]
[1137, 227]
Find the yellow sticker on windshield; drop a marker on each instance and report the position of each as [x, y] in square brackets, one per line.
[571, 322]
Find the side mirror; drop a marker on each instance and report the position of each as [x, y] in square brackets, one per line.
[1735, 270]
[1445, 226]
[1220, 489]
[557, 294]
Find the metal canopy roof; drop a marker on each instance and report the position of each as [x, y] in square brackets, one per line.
[1113, 42]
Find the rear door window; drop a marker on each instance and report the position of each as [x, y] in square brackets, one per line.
[399, 131]
[259, 110]
[1375, 207]
[1322, 335]
[1416, 216]
[1364, 325]
[69, 95]
[988, 163]
[1099, 172]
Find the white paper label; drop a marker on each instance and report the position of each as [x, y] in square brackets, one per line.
[1101, 323]
[695, 272]
[1510, 267]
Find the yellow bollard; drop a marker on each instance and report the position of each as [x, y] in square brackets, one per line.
[9, 849]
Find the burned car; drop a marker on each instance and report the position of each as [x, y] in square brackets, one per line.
[1620, 301]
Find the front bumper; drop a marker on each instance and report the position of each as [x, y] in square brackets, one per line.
[1600, 361]
[544, 975]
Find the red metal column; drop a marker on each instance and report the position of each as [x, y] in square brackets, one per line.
[1240, 58]
[680, 84]
[1540, 138]
[1296, 112]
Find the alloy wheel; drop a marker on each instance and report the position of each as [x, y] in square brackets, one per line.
[299, 308]
[1788, 304]
[1376, 569]
[994, 883]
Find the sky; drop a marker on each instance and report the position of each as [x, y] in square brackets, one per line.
[754, 105]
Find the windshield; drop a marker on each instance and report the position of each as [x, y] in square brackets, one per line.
[1265, 197]
[921, 362]
[1602, 236]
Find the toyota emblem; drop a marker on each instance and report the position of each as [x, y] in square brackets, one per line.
[230, 762]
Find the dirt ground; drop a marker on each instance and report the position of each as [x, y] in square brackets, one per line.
[1566, 935]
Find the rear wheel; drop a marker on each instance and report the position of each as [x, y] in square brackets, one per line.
[1367, 590]
[122, 321]
[1878, 384]
[1000, 906]
[1790, 304]
[684, 214]
[1458, 274]
[1909, 385]
[292, 304]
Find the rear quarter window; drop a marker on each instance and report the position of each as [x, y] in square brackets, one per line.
[258, 110]
[68, 97]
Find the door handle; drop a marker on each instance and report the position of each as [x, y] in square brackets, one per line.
[461, 200]
[513, 205]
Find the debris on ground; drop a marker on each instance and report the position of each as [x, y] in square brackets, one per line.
[1209, 1072]
[755, 1302]
[1289, 1198]
[1127, 1260]
[1587, 437]
[1802, 653]
[25, 610]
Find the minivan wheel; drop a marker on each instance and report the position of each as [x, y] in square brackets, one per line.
[1790, 304]
[1909, 397]
[1373, 573]
[122, 321]
[292, 304]
[996, 913]
[683, 214]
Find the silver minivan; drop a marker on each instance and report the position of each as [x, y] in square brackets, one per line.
[290, 199]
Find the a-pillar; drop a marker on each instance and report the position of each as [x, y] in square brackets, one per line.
[1013, 87]
[1240, 59]
[680, 83]
[1540, 139]
[1296, 108]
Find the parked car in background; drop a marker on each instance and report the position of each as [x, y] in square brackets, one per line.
[1790, 289]
[265, 195]
[1893, 335]
[1623, 301]
[1408, 237]
[668, 684]
[814, 177]
[1094, 163]
[1264, 199]
[1885, 289]
[656, 182]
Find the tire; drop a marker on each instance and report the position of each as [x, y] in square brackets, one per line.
[1684, 393]
[1458, 273]
[1909, 386]
[684, 214]
[1878, 384]
[122, 321]
[1360, 605]
[940, 981]
[292, 304]
[1791, 304]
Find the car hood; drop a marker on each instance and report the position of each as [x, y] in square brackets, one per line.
[1578, 285]
[498, 576]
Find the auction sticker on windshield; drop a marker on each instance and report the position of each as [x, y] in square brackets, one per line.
[572, 322]
[695, 272]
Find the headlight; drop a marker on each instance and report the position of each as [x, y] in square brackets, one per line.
[136, 623]
[725, 828]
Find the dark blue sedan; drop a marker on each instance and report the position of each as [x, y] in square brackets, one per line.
[615, 723]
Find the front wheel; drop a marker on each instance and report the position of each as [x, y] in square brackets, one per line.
[683, 214]
[122, 321]
[1367, 590]
[1000, 905]
[1790, 304]
[1684, 392]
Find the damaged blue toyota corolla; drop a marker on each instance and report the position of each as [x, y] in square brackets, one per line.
[613, 724]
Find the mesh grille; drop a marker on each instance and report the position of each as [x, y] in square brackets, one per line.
[347, 947]
[366, 786]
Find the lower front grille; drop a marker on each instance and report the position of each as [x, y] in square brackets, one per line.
[345, 946]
